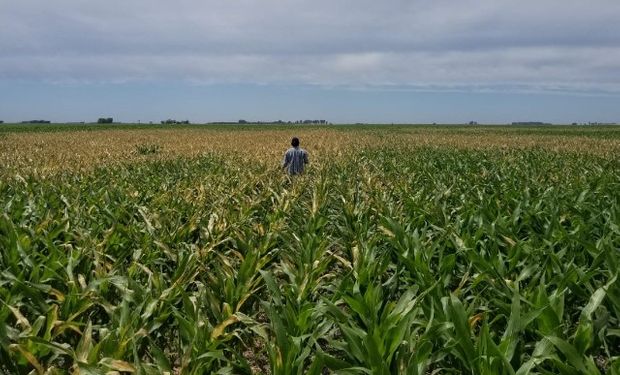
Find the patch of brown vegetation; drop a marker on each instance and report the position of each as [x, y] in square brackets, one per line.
[46, 153]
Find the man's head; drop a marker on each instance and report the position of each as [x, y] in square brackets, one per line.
[295, 142]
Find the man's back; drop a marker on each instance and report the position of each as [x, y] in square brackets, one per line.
[295, 159]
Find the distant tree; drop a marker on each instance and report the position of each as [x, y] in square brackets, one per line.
[1, 122]
[242, 122]
[105, 120]
[172, 121]
[36, 122]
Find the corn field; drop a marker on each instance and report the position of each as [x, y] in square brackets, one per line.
[400, 251]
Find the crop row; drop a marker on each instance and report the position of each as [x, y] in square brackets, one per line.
[382, 261]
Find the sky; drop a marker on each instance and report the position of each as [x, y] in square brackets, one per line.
[392, 61]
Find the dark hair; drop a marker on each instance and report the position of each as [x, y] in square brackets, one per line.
[295, 142]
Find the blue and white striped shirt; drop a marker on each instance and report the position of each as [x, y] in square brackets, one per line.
[294, 160]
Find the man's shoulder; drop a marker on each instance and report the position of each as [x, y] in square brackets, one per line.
[297, 149]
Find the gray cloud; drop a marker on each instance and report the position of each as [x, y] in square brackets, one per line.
[554, 45]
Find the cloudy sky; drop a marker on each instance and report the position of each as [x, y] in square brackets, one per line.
[343, 60]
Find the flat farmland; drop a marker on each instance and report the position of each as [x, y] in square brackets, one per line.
[401, 250]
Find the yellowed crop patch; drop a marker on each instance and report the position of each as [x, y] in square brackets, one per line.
[48, 152]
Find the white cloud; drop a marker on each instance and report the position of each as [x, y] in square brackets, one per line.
[541, 45]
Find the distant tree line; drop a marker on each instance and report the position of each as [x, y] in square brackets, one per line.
[261, 122]
[110, 120]
[172, 121]
[305, 122]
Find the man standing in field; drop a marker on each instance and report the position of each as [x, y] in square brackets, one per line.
[295, 158]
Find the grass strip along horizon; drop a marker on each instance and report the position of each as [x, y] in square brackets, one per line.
[400, 251]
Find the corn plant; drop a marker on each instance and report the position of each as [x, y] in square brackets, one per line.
[401, 250]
